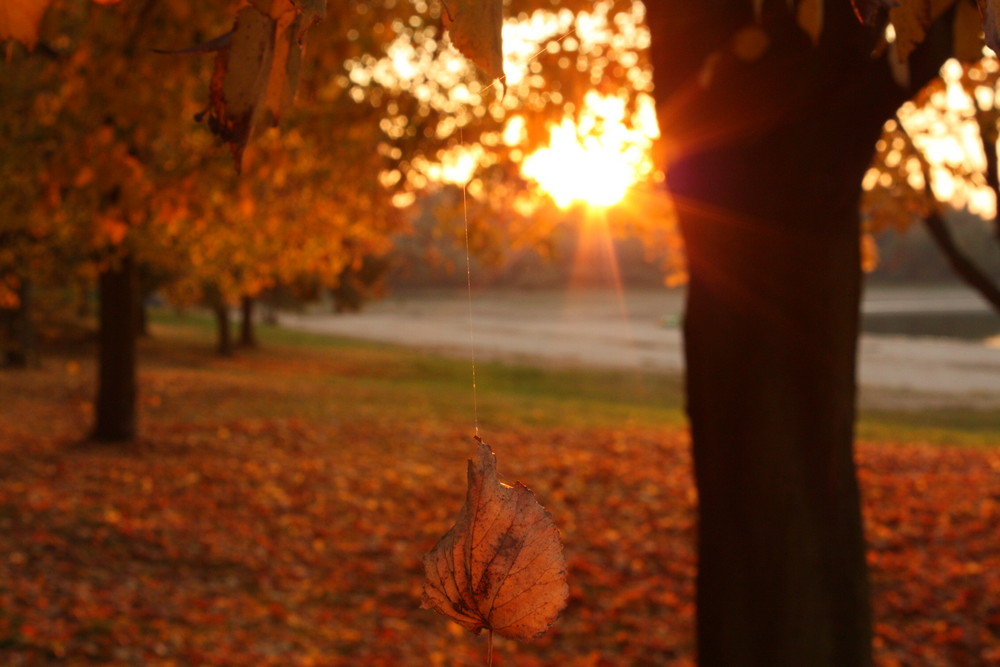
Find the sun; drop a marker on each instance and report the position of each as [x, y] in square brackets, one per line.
[595, 158]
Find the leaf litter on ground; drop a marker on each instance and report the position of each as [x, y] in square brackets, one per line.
[235, 535]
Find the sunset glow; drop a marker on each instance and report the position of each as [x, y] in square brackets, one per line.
[597, 158]
[596, 148]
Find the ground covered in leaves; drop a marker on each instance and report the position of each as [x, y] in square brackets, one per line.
[258, 523]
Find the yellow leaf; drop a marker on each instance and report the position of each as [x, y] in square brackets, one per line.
[19, 19]
[501, 565]
[475, 27]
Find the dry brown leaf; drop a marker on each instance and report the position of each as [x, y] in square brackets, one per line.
[501, 565]
[911, 18]
[19, 19]
[256, 73]
[240, 79]
[868, 11]
[968, 44]
[475, 28]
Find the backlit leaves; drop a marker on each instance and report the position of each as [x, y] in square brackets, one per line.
[501, 565]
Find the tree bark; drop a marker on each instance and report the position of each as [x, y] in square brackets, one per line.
[141, 319]
[248, 337]
[765, 168]
[115, 409]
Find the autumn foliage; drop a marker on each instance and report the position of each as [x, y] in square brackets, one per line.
[252, 528]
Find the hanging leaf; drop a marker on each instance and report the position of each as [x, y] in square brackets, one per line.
[257, 72]
[501, 565]
[868, 11]
[19, 20]
[911, 19]
[239, 81]
[990, 11]
[810, 18]
[475, 28]
[968, 33]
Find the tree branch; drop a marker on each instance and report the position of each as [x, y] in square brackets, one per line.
[960, 263]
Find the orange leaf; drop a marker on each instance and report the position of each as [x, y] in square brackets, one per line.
[19, 20]
[501, 565]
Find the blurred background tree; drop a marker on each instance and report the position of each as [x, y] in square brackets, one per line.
[937, 158]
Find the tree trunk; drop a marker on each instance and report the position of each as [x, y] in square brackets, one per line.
[20, 330]
[248, 337]
[142, 319]
[115, 409]
[224, 337]
[766, 166]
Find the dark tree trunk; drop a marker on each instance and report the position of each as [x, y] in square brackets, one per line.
[248, 337]
[766, 169]
[20, 330]
[142, 319]
[116, 380]
[224, 336]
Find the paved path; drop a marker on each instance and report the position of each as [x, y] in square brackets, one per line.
[640, 331]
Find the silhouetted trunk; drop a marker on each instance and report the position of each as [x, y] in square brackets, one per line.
[766, 175]
[248, 336]
[115, 409]
[224, 336]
